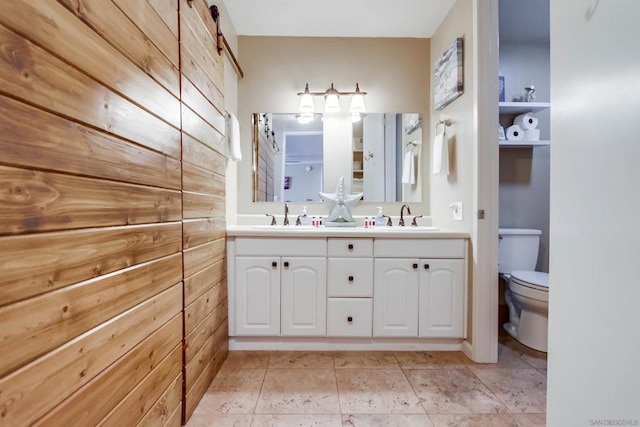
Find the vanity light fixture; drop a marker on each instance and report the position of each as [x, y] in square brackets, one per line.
[305, 118]
[332, 100]
[306, 101]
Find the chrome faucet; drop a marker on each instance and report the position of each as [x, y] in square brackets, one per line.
[273, 219]
[286, 214]
[401, 223]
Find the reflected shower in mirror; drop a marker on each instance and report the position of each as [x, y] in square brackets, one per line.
[296, 157]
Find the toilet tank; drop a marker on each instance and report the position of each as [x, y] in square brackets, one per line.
[518, 249]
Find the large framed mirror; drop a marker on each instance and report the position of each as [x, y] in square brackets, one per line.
[379, 155]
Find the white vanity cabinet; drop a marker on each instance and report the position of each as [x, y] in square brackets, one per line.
[354, 289]
[257, 296]
[395, 307]
[441, 298]
[350, 287]
[419, 296]
[303, 287]
[280, 287]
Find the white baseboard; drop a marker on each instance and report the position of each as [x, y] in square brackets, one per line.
[344, 344]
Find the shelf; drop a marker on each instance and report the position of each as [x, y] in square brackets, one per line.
[522, 107]
[504, 143]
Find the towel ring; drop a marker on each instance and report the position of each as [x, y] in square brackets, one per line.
[445, 123]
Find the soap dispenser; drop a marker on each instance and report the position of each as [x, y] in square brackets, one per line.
[380, 219]
[304, 218]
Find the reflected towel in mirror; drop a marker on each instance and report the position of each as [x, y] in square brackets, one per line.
[408, 168]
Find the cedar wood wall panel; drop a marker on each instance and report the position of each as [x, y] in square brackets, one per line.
[112, 213]
[203, 202]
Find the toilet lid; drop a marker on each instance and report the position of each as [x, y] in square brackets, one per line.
[531, 279]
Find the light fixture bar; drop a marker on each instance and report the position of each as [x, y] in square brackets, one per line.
[331, 96]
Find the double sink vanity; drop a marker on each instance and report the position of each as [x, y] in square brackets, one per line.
[380, 288]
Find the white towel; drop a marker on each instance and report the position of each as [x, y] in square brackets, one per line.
[233, 138]
[408, 169]
[441, 155]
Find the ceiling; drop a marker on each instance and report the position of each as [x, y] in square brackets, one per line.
[338, 18]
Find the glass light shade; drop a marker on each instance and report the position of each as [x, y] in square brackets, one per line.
[332, 104]
[355, 117]
[357, 103]
[305, 118]
[306, 103]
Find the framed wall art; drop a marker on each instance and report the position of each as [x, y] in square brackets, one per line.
[448, 76]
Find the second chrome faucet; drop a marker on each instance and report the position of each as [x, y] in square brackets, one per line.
[401, 222]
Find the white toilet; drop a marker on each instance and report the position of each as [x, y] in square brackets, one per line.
[527, 293]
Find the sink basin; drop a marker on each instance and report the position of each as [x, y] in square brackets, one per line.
[406, 229]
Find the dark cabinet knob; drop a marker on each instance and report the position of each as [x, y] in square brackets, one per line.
[286, 264]
[426, 266]
[274, 264]
[349, 319]
[350, 246]
[415, 265]
[351, 278]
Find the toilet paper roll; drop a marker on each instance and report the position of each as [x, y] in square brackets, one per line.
[531, 134]
[526, 121]
[515, 133]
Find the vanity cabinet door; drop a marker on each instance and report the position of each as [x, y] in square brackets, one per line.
[257, 301]
[304, 296]
[442, 298]
[395, 297]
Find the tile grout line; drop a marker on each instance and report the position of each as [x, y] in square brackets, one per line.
[264, 377]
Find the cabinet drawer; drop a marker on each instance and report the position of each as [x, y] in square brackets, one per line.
[350, 277]
[358, 248]
[419, 248]
[271, 246]
[349, 317]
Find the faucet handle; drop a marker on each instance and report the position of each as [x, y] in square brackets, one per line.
[286, 214]
[273, 219]
[414, 223]
[389, 222]
[298, 222]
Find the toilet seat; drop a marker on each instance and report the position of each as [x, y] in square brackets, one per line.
[530, 284]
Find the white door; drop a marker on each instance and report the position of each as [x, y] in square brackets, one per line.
[304, 296]
[395, 297]
[373, 156]
[441, 298]
[257, 297]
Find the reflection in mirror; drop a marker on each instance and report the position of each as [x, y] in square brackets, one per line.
[295, 157]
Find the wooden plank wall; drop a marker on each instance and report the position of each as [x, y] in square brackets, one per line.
[203, 188]
[266, 159]
[111, 212]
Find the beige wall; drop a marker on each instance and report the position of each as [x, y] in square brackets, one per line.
[230, 102]
[394, 72]
[458, 185]
[474, 163]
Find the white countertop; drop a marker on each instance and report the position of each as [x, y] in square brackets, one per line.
[394, 232]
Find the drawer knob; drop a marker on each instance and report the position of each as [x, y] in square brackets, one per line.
[350, 278]
[426, 266]
[415, 266]
[286, 264]
[349, 319]
[350, 246]
[274, 264]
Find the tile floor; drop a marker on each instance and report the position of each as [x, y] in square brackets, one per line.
[353, 389]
